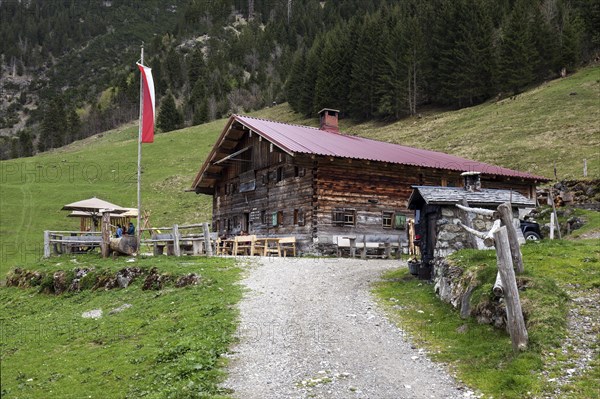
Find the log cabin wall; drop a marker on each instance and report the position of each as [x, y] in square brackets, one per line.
[371, 191]
[265, 191]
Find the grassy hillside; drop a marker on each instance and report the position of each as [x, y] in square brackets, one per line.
[528, 133]
[557, 121]
[34, 189]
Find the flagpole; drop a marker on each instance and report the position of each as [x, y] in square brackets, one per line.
[139, 163]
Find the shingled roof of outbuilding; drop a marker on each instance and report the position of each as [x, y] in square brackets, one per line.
[296, 139]
[436, 195]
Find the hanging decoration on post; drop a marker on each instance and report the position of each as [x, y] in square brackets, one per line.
[147, 114]
[146, 129]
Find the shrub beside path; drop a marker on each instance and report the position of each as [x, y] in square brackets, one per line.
[310, 329]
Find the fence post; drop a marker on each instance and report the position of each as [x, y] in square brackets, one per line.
[514, 314]
[105, 244]
[46, 244]
[207, 245]
[176, 247]
[552, 226]
[506, 215]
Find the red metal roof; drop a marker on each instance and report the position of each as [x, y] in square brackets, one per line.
[309, 140]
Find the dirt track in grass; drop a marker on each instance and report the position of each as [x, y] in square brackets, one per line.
[311, 329]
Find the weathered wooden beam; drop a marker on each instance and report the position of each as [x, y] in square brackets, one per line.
[479, 211]
[207, 246]
[506, 216]
[467, 222]
[105, 244]
[46, 244]
[232, 155]
[476, 233]
[176, 247]
[514, 314]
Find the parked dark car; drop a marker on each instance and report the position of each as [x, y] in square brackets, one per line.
[531, 230]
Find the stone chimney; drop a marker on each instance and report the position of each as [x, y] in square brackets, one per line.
[329, 120]
[472, 181]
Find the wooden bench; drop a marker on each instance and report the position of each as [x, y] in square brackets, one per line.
[370, 249]
[287, 244]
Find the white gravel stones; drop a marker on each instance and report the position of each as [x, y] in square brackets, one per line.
[310, 329]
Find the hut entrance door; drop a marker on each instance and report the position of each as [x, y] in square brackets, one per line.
[246, 222]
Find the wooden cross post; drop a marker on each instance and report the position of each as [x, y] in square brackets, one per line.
[506, 216]
[514, 314]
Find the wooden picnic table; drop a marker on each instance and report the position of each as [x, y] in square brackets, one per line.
[267, 245]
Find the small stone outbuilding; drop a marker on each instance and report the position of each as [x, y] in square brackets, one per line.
[437, 217]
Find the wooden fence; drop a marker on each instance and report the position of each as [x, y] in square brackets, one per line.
[192, 239]
[70, 242]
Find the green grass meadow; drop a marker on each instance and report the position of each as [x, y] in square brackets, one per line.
[168, 344]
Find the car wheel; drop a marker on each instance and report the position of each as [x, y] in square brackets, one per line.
[532, 236]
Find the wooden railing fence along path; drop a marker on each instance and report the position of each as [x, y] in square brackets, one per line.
[503, 236]
[193, 239]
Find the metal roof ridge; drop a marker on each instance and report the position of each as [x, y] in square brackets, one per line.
[281, 123]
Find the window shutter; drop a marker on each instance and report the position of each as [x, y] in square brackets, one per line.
[399, 221]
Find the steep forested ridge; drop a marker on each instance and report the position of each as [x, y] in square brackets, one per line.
[68, 66]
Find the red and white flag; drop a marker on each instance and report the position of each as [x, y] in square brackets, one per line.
[147, 94]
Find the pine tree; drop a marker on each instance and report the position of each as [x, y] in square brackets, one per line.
[516, 50]
[25, 144]
[545, 43]
[169, 117]
[363, 97]
[73, 125]
[392, 83]
[570, 44]
[296, 83]
[307, 96]
[54, 125]
[334, 73]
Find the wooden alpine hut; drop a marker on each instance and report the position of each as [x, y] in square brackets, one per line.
[322, 186]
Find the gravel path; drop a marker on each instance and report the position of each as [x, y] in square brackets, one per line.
[310, 329]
